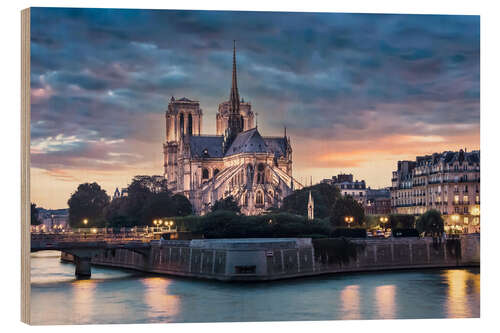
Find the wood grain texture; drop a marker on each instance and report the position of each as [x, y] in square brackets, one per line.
[25, 167]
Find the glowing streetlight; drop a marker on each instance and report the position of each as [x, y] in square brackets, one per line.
[85, 221]
[349, 220]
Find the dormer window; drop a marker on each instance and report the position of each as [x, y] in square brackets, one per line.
[205, 152]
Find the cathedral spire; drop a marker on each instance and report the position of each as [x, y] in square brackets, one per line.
[235, 120]
[234, 97]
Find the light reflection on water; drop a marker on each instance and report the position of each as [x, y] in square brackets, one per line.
[119, 296]
[349, 298]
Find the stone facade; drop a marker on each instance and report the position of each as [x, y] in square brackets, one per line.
[237, 161]
[280, 258]
[377, 202]
[448, 182]
[349, 187]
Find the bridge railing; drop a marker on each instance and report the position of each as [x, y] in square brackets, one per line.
[77, 237]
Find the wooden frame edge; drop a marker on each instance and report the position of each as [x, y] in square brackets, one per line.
[25, 166]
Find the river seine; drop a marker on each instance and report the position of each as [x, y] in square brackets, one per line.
[120, 296]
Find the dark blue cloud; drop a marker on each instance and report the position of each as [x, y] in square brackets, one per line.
[103, 72]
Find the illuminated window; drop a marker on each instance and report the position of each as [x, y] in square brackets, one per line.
[466, 198]
[456, 198]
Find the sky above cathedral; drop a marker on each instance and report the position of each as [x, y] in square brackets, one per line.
[356, 92]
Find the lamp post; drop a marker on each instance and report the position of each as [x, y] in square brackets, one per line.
[349, 220]
[384, 220]
[85, 222]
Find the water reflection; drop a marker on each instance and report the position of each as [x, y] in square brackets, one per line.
[83, 299]
[462, 286]
[120, 296]
[160, 303]
[385, 298]
[350, 302]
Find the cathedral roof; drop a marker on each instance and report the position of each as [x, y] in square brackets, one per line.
[206, 146]
[277, 145]
[252, 142]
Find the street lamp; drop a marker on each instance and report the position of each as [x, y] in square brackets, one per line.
[349, 220]
[384, 220]
[85, 221]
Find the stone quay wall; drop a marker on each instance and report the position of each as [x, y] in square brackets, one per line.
[271, 259]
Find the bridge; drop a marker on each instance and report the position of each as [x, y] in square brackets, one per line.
[83, 247]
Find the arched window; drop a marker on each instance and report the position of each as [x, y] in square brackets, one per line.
[181, 121]
[190, 124]
[249, 174]
[259, 198]
[204, 173]
[261, 173]
[216, 171]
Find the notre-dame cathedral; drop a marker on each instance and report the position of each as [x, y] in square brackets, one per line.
[256, 170]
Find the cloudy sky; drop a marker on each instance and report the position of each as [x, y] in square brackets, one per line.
[357, 92]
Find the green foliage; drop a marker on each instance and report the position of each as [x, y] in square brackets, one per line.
[324, 196]
[182, 205]
[227, 224]
[116, 214]
[431, 222]
[347, 206]
[88, 202]
[141, 195]
[146, 185]
[126, 212]
[189, 223]
[401, 221]
[227, 204]
[335, 251]
[35, 219]
[371, 221]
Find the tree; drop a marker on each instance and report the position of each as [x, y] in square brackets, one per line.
[431, 222]
[116, 214]
[401, 221]
[87, 203]
[228, 204]
[140, 192]
[35, 218]
[324, 195]
[162, 205]
[147, 185]
[347, 207]
[182, 205]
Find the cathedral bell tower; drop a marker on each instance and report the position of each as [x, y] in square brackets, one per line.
[235, 121]
[182, 120]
